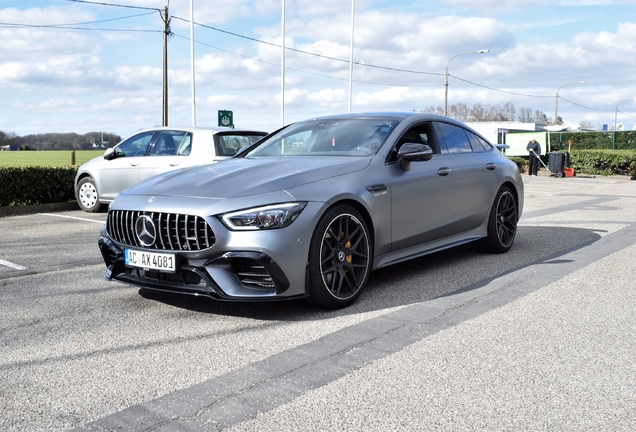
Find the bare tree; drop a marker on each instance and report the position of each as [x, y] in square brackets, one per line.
[525, 115]
[540, 117]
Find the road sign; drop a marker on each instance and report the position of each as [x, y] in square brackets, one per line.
[226, 118]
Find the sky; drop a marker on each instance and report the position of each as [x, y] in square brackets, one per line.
[97, 65]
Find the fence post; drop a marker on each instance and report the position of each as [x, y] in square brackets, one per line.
[73, 158]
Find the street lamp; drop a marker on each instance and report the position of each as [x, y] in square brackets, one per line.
[446, 91]
[616, 112]
[556, 105]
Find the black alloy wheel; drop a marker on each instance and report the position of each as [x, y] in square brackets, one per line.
[339, 258]
[502, 223]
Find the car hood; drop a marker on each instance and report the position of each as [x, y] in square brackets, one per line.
[243, 176]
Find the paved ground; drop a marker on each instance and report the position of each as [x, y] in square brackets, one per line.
[545, 342]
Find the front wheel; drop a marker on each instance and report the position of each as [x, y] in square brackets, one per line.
[502, 223]
[87, 195]
[339, 258]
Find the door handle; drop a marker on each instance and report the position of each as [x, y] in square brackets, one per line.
[491, 166]
[174, 164]
[134, 164]
[444, 171]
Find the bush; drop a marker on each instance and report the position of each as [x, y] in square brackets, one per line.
[36, 185]
[604, 162]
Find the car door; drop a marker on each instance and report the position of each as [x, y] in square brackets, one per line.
[122, 170]
[475, 175]
[422, 198]
[170, 150]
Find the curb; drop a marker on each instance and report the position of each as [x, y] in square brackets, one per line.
[37, 208]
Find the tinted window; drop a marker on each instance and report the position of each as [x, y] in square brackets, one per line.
[478, 142]
[419, 134]
[331, 136]
[455, 137]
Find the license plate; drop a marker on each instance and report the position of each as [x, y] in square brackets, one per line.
[164, 262]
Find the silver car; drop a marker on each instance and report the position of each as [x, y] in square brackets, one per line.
[311, 210]
[151, 152]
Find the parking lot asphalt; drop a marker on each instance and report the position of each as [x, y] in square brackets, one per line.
[542, 338]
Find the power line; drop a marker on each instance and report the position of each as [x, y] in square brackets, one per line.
[499, 90]
[304, 71]
[72, 26]
[310, 53]
[114, 5]
[586, 107]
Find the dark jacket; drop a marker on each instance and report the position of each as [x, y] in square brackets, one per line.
[534, 146]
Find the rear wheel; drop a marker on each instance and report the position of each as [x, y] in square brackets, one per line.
[339, 258]
[502, 223]
[87, 195]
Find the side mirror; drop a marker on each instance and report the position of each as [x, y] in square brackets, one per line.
[412, 152]
[109, 154]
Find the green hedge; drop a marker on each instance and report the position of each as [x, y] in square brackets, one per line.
[36, 185]
[604, 162]
[620, 140]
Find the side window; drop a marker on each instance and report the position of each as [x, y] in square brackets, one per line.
[136, 145]
[185, 147]
[478, 142]
[172, 143]
[455, 138]
[229, 145]
[420, 134]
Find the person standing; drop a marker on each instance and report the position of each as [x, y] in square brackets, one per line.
[534, 150]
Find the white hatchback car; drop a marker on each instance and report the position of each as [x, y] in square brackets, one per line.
[151, 152]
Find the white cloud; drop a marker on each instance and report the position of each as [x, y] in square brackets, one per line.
[117, 77]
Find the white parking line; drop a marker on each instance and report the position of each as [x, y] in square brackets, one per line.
[73, 217]
[10, 264]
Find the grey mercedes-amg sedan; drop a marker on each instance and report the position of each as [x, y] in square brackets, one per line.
[313, 208]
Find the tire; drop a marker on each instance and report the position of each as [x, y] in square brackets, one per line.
[339, 258]
[87, 195]
[502, 223]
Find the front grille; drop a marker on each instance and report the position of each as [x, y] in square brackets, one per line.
[252, 274]
[172, 231]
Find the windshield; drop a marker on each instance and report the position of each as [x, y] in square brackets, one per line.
[328, 137]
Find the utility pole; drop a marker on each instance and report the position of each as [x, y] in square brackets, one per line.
[166, 34]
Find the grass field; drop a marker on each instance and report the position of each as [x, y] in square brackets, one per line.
[46, 157]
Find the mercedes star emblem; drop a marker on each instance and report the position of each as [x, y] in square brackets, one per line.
[145, 230]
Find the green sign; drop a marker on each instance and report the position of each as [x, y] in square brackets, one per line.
[226, 118]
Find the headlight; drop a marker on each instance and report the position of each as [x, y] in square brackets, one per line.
[268, 217]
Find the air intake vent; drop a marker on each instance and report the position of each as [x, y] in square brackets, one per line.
[252, 274]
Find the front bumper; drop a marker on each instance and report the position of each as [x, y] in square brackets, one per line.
[234, 275]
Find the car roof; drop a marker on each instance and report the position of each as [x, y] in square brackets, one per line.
[212, 130]
[393, 114]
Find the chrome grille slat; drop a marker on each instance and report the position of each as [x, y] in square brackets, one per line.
[174, 231]
[207, 240]
[196, 231]
[168, 236]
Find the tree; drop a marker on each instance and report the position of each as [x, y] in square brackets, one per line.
[540, 117]
[525, 115]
